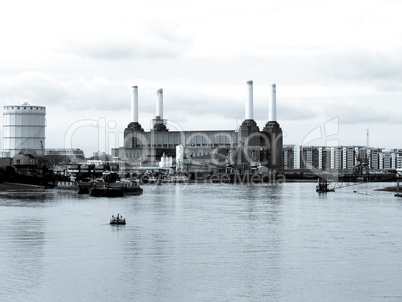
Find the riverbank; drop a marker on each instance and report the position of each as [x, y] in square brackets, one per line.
[394, 189]
[9, 186]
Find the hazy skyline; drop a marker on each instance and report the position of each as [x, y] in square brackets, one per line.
[331, 61]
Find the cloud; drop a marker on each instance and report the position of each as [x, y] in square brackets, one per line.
[369, 111]
[381, 69]
[157, 41]
[34, 87]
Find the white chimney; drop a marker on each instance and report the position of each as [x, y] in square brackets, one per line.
[249, 101]
[272, 104]
[134, 105]
[159, 103]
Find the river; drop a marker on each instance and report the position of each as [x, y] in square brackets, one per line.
[203, 242]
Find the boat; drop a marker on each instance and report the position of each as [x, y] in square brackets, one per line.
[115, 189]
[322, 186]
[362, 193]
[131, 188]
[117, 220]
[86, 184]
[398, 195]
[105, 190]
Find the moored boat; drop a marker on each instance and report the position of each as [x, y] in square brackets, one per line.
[115, 189]
[322, 186]
[105, 190]
[131, 188]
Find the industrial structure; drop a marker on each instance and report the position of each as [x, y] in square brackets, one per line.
[24, 129]
[242, 149]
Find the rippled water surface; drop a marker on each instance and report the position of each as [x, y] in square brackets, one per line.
[202, 243]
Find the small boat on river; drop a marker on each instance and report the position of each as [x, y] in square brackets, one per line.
[117, 220]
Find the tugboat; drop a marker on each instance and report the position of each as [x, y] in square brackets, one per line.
[117, 220]
[322, 186]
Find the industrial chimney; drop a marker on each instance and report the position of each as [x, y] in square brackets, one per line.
[274, 135]
[272, 104]
[134, 105]
[249, 101]
[159, 103]
[159, 123]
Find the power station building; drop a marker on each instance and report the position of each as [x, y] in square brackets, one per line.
[24, 129]
[243, 148]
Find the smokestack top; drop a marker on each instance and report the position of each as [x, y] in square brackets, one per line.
[272, 104]
[134, 104]
[159, 103]
[249, 101]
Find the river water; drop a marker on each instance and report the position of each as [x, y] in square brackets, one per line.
[203, 242]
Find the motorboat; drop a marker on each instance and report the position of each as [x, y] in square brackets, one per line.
[118, 219]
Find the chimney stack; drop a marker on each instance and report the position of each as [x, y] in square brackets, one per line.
[134, 105]
[249, 101]
[272, 104]
[159, 103]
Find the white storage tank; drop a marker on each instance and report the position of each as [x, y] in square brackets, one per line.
[24, 129]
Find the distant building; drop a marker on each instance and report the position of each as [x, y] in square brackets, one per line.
[243, 148]
[339, 158]
[24, 129]
[58, 155]
[65, 152]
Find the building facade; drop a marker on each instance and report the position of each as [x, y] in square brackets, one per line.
[243, 147]
[340, 158]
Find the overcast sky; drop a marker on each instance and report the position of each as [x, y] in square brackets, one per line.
[337, 66]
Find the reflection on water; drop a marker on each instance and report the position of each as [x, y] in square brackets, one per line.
[202, 242]
[39, 195]
[22, 239]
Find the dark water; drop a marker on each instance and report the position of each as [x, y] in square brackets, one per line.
[203, 243]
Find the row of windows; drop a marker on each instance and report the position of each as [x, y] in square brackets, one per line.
[188, 145]
[31, 108]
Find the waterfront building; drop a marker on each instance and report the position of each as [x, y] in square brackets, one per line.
[66, 152]
[398, 158]
[243, 148]
[296, 159]
[387, 160]
[339, 158]
[24, 129]
[288, 157]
